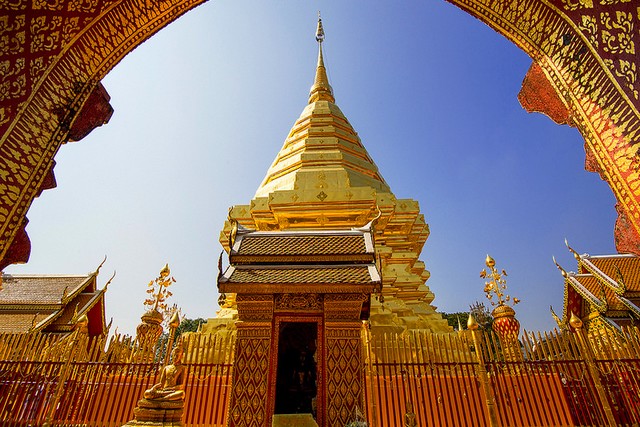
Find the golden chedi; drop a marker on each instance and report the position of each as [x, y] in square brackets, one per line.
[324, 179]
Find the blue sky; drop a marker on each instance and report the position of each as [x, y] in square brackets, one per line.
[202, 108]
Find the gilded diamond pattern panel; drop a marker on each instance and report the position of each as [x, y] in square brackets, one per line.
[249, 393]
[344, 376]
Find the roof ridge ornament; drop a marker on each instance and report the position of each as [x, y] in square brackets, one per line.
[321, 89]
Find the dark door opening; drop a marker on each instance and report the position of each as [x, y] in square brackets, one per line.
[296, 381]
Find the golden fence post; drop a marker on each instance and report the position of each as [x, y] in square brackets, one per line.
[369, 373]
[482, 372]
[585, 350]
[173, 326]
[80, 329]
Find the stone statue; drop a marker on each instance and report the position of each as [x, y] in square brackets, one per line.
[171, 385]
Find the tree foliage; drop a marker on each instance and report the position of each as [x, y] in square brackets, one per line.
[479, 311]
[186, 325]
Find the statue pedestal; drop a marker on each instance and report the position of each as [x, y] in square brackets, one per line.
[160, 414]
[293, 420]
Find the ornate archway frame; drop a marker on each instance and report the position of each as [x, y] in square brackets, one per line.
[55, 52]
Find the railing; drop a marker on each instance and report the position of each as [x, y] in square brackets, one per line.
[412, 379]
[552, 379]
[101, 392]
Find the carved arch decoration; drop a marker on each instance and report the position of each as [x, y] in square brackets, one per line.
[586, 56]
[55, 52]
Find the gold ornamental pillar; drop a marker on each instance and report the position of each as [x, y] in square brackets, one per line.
[482, 371]
[585, 350]
[147, 334]
[505, 324]
[250, 382]
[507, 327]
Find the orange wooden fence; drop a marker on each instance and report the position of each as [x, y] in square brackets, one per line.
[98, 392]
[552, 379]
[549, 379]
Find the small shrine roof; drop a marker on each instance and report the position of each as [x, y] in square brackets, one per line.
[303, 246]
[356, 274]
[82, 303]
[35, 290]
[293, 278]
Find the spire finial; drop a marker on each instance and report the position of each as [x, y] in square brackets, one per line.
[321, 89]
[319, 30]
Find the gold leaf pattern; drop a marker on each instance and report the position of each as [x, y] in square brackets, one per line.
[628, 71]
[577, 4]
[619, 40]
[589, 26]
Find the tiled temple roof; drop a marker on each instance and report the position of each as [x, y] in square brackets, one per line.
[628, 265]
[301, 275]
[45, 302]
[301, 247]
[33, 290]
[609, 283]
[18, 323]
[593, 285]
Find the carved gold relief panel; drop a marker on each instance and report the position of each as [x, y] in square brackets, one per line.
[344, 377]
[248, 406]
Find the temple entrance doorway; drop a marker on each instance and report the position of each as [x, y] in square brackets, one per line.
[296, 378]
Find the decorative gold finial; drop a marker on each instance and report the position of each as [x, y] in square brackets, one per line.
[321, 89]
[471, 323]
[319, 30]
[575, 254]
[497, 284]
[562, 270]
[490, 262]
[622, 287]
[158, 290]
[559, 322]
[175, 320]
[83, 320]
[165, 271]
[575, 321]
[100, 266]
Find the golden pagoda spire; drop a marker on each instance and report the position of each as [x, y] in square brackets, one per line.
[321, 89]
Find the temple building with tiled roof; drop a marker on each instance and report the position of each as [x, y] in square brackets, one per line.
[50, 303]
[605, 290]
